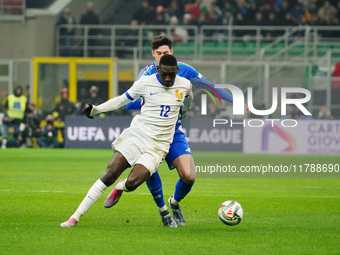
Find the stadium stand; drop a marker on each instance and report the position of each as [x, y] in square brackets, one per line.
[211, 35]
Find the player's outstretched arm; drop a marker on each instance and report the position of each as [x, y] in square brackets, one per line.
[110, 105]
[205, 84]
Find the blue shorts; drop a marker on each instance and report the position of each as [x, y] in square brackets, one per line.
[178, 147]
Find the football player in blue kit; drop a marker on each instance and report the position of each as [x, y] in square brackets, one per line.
[179, 155]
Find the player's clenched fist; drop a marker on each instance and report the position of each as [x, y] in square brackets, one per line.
[87, 111]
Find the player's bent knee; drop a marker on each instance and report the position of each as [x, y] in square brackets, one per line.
[109, 176]
[131, 185]
[133, 181]
[188, 178]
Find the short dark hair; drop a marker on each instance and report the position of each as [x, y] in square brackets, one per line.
[168, 60]
[161, 40]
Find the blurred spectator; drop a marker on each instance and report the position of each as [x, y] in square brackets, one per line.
[294, 112]
[213, 111]
[282, 12]
[202, 19]
[242, 8]
[48, 137]
[227, 6]
[175, 9]
[64, 107]
[265, 10]
[215, 18]
[337, 6]
[288, 20]
[90, 18]
[94, 99]
[66, 33]
[178, 33]
[145, 14]
[214, 14]
[160, 20]
[4, 94]
[252, 10]
[192, 114]
[187, 21]
[324, 113]
[327, 12]
[83, 95]
[269, 3]
[311, 11]
[306, 3]
[259, 21]
[32, 125]
[277, 5]
[194, 10]
[228, 19]
[315, 21]
[297, 13]
[240, 21]
[335, 86]
[272, 21]
[303, 23]
[9, 133]
[161, 11]
[128, 38]
[16, 106]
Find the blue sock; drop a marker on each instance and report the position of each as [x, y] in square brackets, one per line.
[182, 189]
[154, 184]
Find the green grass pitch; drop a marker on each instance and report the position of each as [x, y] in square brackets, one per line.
[39, 189]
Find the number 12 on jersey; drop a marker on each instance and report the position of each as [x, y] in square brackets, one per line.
[164, 111]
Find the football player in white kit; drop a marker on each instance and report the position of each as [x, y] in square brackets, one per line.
[146, 142]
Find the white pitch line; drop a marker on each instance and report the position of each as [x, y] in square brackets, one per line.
[148, 194]
[263, 185]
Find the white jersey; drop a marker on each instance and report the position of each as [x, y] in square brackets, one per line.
[161, 107]
[150, 134]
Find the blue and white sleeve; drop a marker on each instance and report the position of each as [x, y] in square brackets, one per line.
[204, 84]
[136, 105]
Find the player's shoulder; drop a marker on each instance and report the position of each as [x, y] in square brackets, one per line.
[183, 81]
[187, 71]
[146, 79]
[180, 78]
[149, 69]
[184, 65]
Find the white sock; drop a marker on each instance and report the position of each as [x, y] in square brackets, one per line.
[173, 201]
[95, 192]
[162, 209]
[121, 186]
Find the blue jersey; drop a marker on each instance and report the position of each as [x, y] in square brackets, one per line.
[185, 71]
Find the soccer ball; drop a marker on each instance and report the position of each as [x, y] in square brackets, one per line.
[230, 213]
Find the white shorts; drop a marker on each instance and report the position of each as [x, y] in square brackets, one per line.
[137, 149]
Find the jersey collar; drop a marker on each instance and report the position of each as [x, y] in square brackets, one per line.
[160, 81]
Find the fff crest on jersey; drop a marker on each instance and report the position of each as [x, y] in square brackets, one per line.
[179, 95]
